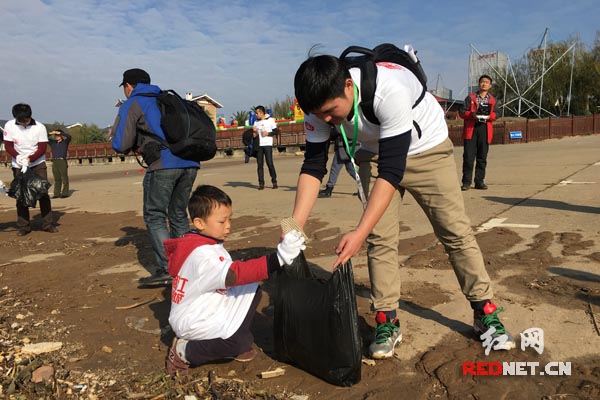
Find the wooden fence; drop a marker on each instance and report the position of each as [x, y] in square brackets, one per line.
[292, 134]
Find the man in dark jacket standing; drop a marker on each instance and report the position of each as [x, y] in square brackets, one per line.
[59, 144]
[168, 180]
[478, 113]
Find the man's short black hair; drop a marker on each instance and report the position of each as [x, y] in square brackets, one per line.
[206, 198]
[21, 112]
[485, 76]
[260, 108]
[319, 79]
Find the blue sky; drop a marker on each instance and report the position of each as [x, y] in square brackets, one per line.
[66, 58]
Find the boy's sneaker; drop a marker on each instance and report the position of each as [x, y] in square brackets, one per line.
[175, 365]
[487, 318]
[387, 336]
[246, 356]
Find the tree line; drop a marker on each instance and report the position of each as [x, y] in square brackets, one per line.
[570, 86]
[82, 134]
[281, 109]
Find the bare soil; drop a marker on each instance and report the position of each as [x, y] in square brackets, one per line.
[72, 295]
[79, 287]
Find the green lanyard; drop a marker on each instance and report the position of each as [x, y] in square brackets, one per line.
[351, 151]
[361, 192]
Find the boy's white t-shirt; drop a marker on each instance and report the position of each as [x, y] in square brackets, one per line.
[265, 125]
[396, 91]
[201, 306]
[26, 139]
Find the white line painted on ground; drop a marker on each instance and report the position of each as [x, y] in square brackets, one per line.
[570, 182]
[499, 222]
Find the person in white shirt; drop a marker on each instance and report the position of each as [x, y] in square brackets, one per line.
[413, 153]
[26, 140]
[265, 128]
[213, 298]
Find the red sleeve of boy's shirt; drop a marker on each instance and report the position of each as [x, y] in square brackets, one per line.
[10, 149]
[250, 271]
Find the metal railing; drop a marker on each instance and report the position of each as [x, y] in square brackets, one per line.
[292, 134]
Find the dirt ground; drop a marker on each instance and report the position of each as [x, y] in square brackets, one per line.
[78, 287]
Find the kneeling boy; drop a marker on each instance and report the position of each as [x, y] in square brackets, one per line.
[214, 298]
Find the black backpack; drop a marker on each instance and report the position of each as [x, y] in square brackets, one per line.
[368, 71]
[190, 132]
[252, 143]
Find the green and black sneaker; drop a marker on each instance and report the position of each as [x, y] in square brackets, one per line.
[387, 336]
[487, 318]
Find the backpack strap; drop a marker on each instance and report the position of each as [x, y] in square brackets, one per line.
[421, 96]
[149, 134]
[368, 78]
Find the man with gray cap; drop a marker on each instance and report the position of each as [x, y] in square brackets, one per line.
[168, 180]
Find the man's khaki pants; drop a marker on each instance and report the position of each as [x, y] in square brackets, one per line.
[432, 180]
[60, 170]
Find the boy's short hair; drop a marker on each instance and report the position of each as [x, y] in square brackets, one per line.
[21, 112]
[204, 199]
[485, 76]
[260, 108]
[319, 79]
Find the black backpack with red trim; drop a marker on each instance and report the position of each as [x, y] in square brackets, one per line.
[367, 62]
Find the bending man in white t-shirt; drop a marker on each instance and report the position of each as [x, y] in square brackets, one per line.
[265, 128]
[26, 140]
[420, 161]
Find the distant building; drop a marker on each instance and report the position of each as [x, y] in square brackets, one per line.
[442, 92]
[480, 64]
[449, 106]
[209, 104]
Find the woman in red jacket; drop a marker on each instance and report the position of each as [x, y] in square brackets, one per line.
[478, 113]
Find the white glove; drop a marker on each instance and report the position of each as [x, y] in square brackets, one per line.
[290, 247]
[23, 160]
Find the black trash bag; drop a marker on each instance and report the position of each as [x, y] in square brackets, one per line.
[316, 322]
[28, 188]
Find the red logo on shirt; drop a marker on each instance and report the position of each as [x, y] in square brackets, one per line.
[178, 289]
[309, 126]
[221, 258]
[389, 65]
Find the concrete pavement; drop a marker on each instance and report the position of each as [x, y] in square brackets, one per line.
[551, 186]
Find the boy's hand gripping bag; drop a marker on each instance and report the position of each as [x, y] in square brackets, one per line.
[316, 322]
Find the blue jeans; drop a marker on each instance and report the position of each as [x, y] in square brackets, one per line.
[336, 167]
[166, 196]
